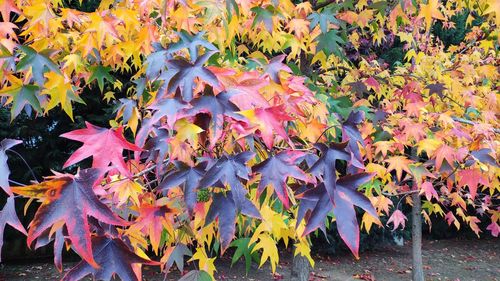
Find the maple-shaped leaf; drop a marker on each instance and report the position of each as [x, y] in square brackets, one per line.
[104, 145]
[8, 216]
[397, 219]
[483, 155]
[7, 7]
[217, 106]
[114, 258]
[224, 209]
[472, 178]
[351, 132]
[275, 66]
[100, 73]
[325, 167]
[242, 249]
[268, 122]
[437, 89]
[58, 237]
[5, 145]
[191, 43]
[230, 170]
[22, 96]
[170, 108]
[330, 43]
[188, 177]
[428, 190]
[186, 73]
[196, 275]
[324, 19]
[152, 221]
[430, 11]
[276, 170]
[399, 164]
[175, 255]
[37, 62]
[264, 15]
[69, 199]
[345, 197]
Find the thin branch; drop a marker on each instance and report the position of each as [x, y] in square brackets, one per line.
[17, 183]
[25, 162]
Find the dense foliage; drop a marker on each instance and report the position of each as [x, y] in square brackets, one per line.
[244, 124]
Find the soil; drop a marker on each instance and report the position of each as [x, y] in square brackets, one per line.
[454, 259]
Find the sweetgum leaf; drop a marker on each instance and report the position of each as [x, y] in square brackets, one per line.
[325, 167]
[191, 42]
[217, 106]
[38, 62]
[70, 199]
[186, 73]
[275, 171]
[229, 170]
[176, 255]
[104, 145]
[315, 205]
[114, 257]
[8, 216]
[189, 178]
[350, 132]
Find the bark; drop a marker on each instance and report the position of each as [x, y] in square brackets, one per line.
[300, 269]
[416, 238]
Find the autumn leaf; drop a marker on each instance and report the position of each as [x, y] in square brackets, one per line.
[276, 170]
[430, 11]
[104, 145]
[397, 219]
[70, 199]
[114, 258]
[8, 216]
[399, 164]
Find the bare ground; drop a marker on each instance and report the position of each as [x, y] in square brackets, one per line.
[453, 259]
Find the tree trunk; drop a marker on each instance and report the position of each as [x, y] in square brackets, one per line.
[416, 238]
[300, 269]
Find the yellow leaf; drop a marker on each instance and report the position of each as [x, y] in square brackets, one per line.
[204, 262]
[302, 248]
[269, 251]
[430, 11]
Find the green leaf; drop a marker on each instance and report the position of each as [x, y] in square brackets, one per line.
[196, 275]
[22, 96]
[100, 73]
[242, 249]
[330, 43]
[39, 63]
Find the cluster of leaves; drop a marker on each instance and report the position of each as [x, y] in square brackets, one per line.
[219, 142]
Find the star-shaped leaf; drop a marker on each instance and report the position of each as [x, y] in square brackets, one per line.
[70, 199]
[104, 145]
[230, 170]
[37, 62]
[8, 216]
[325, 167]
[217, 106]
[186, 73]
[191, 42]
[276, 170]
[187, 177]
[114, 257]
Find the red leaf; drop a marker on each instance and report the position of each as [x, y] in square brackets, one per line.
[397, 218]
[70, 199]
[104, 145]
[472, 178]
